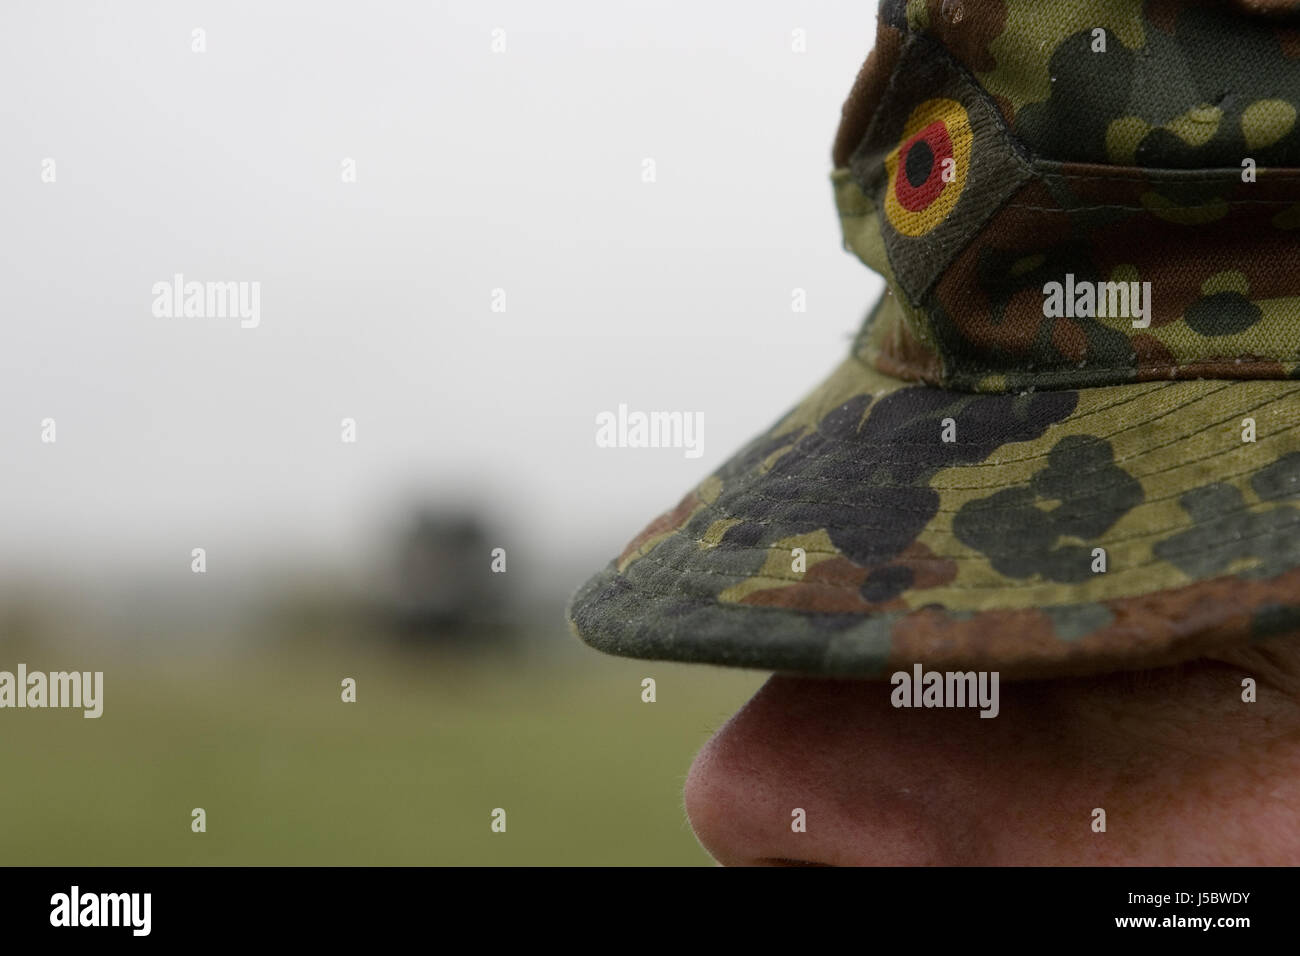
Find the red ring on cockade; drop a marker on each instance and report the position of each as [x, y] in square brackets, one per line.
[937, 142]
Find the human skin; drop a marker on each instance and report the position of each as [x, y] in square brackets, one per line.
[1187, 772]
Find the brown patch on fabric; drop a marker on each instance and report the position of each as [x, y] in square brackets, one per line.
[1014, 333]
[931, 635]
[1177, 259]
[1020, 324]
[829, 586]
[962, 293]
[665, 523]
[1161, 14]
[1289, 41]
[860, 107]
[1005, 107]
[1070, 340]
[832, 586]
[928, 569]
[1154, 360]
[1150, 630]
[969, 38]
[903, 355]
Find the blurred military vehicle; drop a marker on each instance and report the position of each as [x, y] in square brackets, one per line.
[440, 584]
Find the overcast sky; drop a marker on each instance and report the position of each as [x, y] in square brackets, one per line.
[476, 170]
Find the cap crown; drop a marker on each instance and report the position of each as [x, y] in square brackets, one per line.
[1078, 193]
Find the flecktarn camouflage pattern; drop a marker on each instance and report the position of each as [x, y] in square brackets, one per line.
[1067, 439]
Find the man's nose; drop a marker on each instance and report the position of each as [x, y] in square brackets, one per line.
[826, 771]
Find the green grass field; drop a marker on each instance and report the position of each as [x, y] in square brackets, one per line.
[409, 774]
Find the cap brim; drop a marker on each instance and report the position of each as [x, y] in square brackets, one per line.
[883, 523]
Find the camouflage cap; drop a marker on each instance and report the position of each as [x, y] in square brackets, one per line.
[1067, 439]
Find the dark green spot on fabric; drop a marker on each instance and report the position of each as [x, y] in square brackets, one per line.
[886, 583]
[1227, 531]
[1021, 539]
[1279, 480]
[1224, 313]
